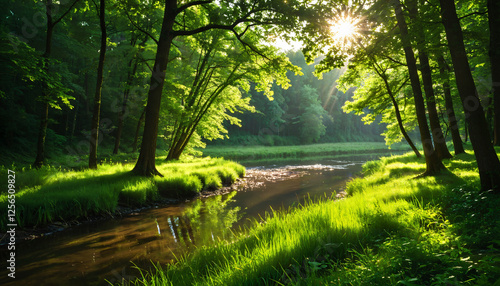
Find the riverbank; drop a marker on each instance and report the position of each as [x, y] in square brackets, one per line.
[255, 153]
[51, 195]
[392, 229]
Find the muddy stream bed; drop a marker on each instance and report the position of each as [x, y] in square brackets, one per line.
[90, 254]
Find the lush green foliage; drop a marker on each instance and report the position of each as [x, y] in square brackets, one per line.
[392, 229]
[51, 194]
[309, 111]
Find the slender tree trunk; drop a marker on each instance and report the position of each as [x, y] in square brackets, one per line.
[401, 125]
[44, 114]
[437, 132]
[94, 136]
[425, 69]
[433, 164]
[73, 126]
[397, 111]
[145, 165]
[494, 23]
[44, 119]
[137, 130]
[487, 159]
[450, 110]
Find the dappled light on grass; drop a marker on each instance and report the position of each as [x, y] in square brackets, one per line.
[391, 230]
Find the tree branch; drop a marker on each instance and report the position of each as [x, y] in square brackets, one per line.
[65, 13]
[473, 13]
[140, 29]
[394, 60]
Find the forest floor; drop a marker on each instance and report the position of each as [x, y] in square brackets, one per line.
[393, 228]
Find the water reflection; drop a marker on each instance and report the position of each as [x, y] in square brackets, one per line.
[89, 254]
[92, 253]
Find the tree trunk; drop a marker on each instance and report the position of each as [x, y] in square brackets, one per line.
[487, 159]
[425, 69]
[44, 114]
[437, 132]
[401, 125]
[44, 119]
[398, 113]
[73, 125]
[450, 110]
[494, 23]
[145, 165]
[433, 164]
[94, 136]
[137, 130]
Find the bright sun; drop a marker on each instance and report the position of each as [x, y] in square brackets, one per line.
[344, 29]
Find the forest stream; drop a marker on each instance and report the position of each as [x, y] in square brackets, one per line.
[90, 254]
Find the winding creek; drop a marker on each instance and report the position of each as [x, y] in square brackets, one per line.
[89, 254]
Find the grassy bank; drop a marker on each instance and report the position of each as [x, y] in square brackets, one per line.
[392, 229]
[51, 194]
[252, 153]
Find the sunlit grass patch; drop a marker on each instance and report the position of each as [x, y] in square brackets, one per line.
[52, 194]
[394, 228]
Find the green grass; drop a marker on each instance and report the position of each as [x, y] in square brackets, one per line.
[253, 153]
[393, 229]
[52, 194]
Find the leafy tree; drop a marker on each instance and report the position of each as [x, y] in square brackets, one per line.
[311, 126]
[222, 67]
[210, 16]
[383, 81]
[45, 98]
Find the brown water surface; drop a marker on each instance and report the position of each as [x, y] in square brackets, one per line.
[89, 254]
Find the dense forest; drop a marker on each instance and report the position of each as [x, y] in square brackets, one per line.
[106, 108]
[141, 76]
[309, 111]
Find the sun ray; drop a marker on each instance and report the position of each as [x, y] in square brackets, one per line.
[344, 29]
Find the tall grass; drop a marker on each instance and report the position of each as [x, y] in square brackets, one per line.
[51, 194]
[392, 229]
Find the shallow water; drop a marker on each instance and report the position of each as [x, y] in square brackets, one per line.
[89, 254]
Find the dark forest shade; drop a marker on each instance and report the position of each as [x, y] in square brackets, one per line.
[487, 160]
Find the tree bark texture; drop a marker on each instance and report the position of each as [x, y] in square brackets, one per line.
[487, 159]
